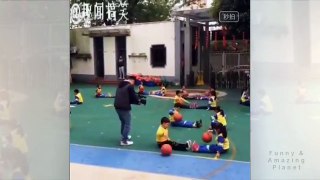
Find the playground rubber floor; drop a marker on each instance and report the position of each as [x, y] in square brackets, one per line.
[96, 123]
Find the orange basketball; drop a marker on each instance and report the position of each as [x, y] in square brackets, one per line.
[207, 137]
[141, 88]
[177, 116]
[166, 150]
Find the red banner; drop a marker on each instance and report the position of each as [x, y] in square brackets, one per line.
[216, 40]
[224, 41]
[224, 38]
[196, 40]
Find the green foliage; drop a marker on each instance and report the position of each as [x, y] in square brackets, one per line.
[242, 6]
[151, 10]
[216, 5]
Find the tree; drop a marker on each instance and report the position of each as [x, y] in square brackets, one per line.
[242, 6]
[153, 10]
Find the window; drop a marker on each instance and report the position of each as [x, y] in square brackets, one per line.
[158, 55]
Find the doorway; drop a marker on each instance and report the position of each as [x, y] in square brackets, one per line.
[121, 54]
[98, 56]
[182, 61]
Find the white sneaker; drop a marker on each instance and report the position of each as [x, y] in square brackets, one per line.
[129, 137]
[189, 142]
[128, 143]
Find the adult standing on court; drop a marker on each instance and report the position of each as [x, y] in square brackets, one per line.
[125, 96]
[121, 68]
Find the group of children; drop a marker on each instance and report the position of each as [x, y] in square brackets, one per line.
[218, 125]
[180, 100]
[182, 96]
[78, 98]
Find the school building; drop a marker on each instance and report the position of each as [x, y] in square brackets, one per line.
[175, 50]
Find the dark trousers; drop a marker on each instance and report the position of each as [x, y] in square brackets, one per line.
[125, 119]
[174, 145]
[182, 106]
[246, 103]
[182, 123]
[206, 107]
[104, 96]
[75, 102]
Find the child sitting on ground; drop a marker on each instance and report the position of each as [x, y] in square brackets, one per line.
[162, 137]
[174, 116]
[219, 117]
[245, 99]
[206, 95]
[221, 147]
[141, 90]
[99, 93]
[212, 102]
[78, 97]
[210, 93]
[180, 102]
[161, 92]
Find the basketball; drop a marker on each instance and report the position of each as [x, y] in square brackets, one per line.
[177, 116]
[207, 137]
[141, 88]
[166, 150]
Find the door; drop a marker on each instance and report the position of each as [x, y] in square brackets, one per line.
[121, 51]
[98, 57]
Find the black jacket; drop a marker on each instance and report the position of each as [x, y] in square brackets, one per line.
[121, 62]
[125, 96]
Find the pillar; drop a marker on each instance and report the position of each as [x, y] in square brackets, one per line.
[187, 51]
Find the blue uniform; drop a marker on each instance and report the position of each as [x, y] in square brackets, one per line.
[181, 123]
[222, 146]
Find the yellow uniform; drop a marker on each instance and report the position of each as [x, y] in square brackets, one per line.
[212, 101]
[163, 90]
[221, 119]
[244, 97]
[162, 134]
[223, 142]
[79, 98]
[178, 100]
[19, 141]
[171, 118]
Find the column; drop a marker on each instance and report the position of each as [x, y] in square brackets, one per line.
[187, 50]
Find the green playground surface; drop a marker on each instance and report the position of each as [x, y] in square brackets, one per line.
[96, 123]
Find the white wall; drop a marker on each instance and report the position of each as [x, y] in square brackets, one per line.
[315, 29]
[82, 66]
[109, 45]
[82, 42]
[142, 37]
